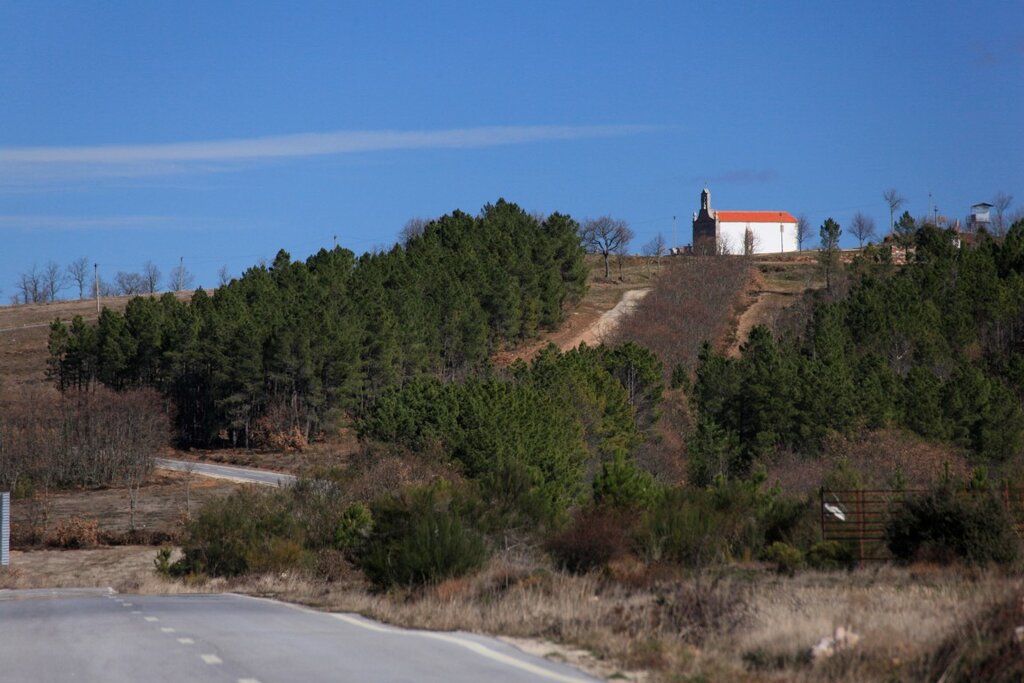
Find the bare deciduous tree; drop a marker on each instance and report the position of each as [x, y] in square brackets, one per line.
[605, 236]
[1001, 202]
[895, 200]
[803, 230]
[31, 287]
[150, 277]
[751, 242]
[180, 278]
[86, 438]
[223, 276]
[130, 284]
[862, 227]
[54, 280]
[78, 272]
[412, 228]
[655, 249]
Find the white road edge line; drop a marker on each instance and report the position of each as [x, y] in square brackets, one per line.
[211, 659]
[470, 645]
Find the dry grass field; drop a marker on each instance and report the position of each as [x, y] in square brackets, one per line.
[164, 502]
[24, 331]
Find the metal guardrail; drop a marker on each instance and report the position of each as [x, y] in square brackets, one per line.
[858, 517]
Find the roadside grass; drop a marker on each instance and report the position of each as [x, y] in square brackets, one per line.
[744, 623]
[630, 622]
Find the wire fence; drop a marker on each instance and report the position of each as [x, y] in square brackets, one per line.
[858, 518]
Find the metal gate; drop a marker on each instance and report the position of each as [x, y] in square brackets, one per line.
[858, 517]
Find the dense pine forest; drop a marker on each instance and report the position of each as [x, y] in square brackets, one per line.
[935, 346]
[287, 346]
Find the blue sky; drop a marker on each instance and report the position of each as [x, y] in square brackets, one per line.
[222, 132]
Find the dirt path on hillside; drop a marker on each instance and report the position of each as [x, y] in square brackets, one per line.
[763, 302]
[609, 321]
[590, 323]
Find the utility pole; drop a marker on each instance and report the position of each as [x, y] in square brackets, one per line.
[335, 241]
[181, 274]
[96, 284]
[675, 236]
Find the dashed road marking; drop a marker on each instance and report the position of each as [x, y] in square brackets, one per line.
[211, 659]
[248, 680]
[167, 629]
[151, 619]
[126, 604]
[136, 611]
[186, 641]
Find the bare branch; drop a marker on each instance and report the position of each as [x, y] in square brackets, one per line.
[605, 236]
[895, 200]
[803, 230]
[862, 227]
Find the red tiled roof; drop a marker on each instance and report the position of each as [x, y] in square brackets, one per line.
[755, 216]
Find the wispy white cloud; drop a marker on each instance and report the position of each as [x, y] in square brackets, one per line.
[26, 167]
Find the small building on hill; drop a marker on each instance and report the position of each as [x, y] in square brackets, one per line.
[980, 218]
[741, 232]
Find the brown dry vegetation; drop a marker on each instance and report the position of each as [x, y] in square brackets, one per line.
[637, 623]
[164, 502]
[872, 459]
[695, 300]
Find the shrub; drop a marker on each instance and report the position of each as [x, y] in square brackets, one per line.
[623, 485]
[420, 537]
[162, 562]
[593, 539]
[831, 555]
[686, 528]
[947, 524]
[786, 558]
[241, 533]
[354, 527]
[696, 527]
[75, 532]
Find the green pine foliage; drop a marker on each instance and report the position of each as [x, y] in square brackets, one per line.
[421, 536]
[286, 346]
[530, 436]
[936, 347]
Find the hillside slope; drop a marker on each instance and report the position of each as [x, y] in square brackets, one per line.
[24, 331]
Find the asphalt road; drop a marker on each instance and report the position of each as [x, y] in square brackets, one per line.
[243, 475]
[98, 637]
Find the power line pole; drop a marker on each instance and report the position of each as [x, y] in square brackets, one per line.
[96, 283]
[675, 235]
